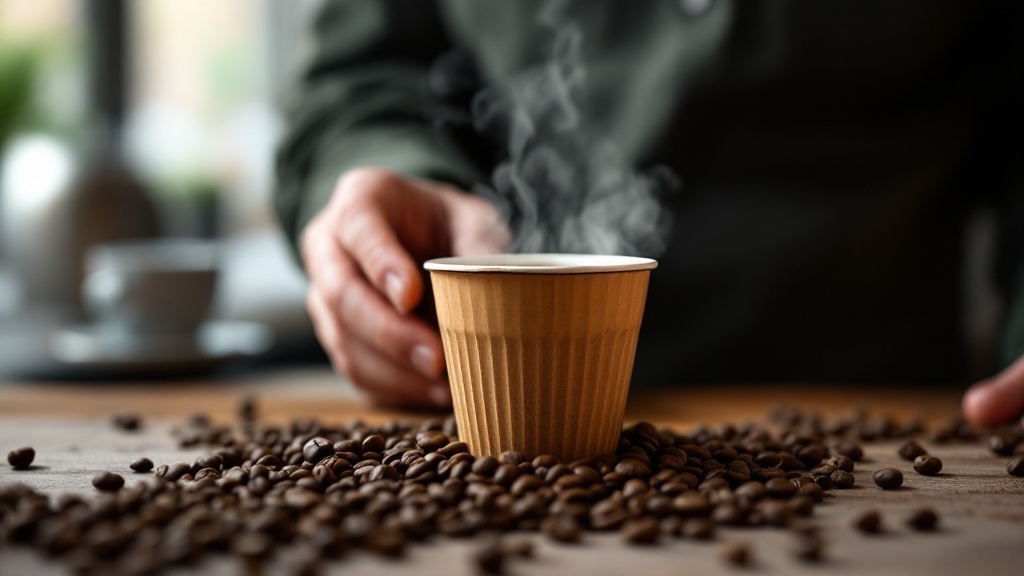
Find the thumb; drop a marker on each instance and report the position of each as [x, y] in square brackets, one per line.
[999, 399]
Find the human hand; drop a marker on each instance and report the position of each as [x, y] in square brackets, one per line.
[999, 399]
[362, 255]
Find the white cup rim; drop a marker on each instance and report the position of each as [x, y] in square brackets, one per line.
[541, 263]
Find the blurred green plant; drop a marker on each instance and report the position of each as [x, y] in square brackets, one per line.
[18, 63]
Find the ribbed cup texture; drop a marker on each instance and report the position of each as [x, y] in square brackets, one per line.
[540, 363]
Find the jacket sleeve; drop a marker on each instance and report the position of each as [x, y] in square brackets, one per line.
[363, 100]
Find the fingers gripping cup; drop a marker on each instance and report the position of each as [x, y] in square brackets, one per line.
[539, 348]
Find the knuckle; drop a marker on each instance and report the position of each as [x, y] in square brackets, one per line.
[364, 241]
[350, 298]
[333, 298]
[311, 236]
[365, 181]
[387, 335]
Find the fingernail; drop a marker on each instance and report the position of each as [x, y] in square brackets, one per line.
[425, 361]
[395, 289]
[441, 396]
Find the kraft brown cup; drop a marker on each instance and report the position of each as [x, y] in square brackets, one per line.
[539, 348]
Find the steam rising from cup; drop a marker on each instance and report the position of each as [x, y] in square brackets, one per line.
[561, 187]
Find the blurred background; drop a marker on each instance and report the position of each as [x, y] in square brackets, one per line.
[156, 119]
[144, 119]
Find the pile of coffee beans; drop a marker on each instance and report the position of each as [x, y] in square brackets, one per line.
[312, 492]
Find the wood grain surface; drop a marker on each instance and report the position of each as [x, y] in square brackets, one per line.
[981, 506]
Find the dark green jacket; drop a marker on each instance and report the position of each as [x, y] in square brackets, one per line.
[832, 155]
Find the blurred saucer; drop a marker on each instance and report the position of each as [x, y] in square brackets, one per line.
[99, 348]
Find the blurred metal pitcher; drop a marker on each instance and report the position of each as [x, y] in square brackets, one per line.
[52, 209]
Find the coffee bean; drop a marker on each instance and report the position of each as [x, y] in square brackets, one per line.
[728, 514]
[199, 419]
[453, 448]
[851, 450]
[911, 450]
[631, 468]
[432, 441]
[247, 409]
[252, 545]
[926, 465]
[485, 466]
[923, 520]
[316, 449]
[127, 421]
[511, 457]
[1015, 467]
[780, 488]
[490, 558]
[141, 465]
[752, 490]
[387, 541]
[736, 553]
[1003, 443]
[888, 478]
[21, 458]
[802, 504]
[776, 513]
[521, 548]
[175, 471]
[698, 528]
[812, 490]
[562, 528]
[841, 462]
[842, 480]
[811, 455]
[108, 482]
[868, 521]
[809, 548]
[644, 530]
[691, 504]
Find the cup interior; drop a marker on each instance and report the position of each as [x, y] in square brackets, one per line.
[541, 263]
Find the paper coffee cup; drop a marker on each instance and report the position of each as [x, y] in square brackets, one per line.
[539, 348]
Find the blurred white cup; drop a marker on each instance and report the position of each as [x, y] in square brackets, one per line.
[151, 286]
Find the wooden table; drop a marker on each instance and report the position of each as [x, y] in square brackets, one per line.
[982, 508]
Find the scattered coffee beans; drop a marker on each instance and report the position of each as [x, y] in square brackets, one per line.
[926, 465]
[1014, 467]
[923, 520]
[911, 450]
[888, 478]
[141, 465]
[21, 458]
[323, 490]
[108, 482]
[868, 521]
